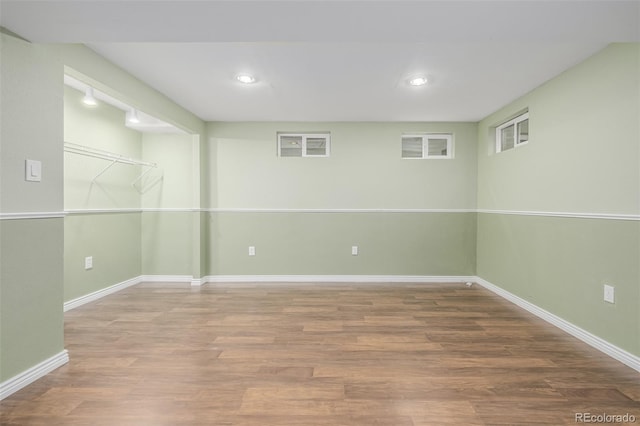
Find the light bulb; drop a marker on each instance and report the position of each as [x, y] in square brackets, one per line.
[88, 98]
[132, 116]
[246, 78]
[417, 81]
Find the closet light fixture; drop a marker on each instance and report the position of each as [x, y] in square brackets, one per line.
[88, 98]
[246, 78]
[417, 81]
[132, 116]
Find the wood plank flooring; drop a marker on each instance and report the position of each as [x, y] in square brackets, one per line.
[321, 354]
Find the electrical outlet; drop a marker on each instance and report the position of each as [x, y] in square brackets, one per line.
[252, 251]
[88, 262]
[609, 293]
[354, 250]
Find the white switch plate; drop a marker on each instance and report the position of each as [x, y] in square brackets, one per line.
[609, 293]
[354, 250]
[32, 170]
[88, 262]
[252, 251]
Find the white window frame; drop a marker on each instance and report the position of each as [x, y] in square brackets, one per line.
[426, 137]
[513, 122]
[304, 137]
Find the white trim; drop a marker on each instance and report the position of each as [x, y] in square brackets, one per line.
[285, 210]
[602, 345]
[71, 304]
[196, 282]
[34, 373]
[426, 279]
[574, 215]
[32, 215]
[172, 209]
[75, 212]
[166, 278]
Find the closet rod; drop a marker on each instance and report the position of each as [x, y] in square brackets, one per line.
[106, 155]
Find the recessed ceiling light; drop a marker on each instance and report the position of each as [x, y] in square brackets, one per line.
[417, 81]
[246, 78]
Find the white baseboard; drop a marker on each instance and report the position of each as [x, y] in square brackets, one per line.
[128, 283]
[29, 376]
[335, 279]
[166, 278]
[602, 345]
[100, 293]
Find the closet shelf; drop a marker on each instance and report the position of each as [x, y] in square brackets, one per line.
[114, 158]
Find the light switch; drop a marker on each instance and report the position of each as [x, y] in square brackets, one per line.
[33, 171]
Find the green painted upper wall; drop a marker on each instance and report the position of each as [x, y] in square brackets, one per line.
[31, 112]
[583, 154]
[101, 127]
[364, 171]
[171, 185]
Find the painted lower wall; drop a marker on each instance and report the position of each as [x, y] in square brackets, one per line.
[319, 243]
[113, 240]
[167, 244]
[31, 275]
[560, 264]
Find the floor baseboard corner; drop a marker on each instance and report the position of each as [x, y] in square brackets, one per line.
[34, 373]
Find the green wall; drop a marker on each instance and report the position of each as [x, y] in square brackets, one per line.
[364, 171]
[170, 224]
[584, 151]
[31, 273]
[320, 243]
[151, 223]
[401, 231]
[101, 127]
[583, 158]
[35, 263]
[111, 238]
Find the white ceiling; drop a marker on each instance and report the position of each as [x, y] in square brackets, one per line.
[334, 60]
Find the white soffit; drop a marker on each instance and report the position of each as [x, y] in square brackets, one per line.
[147, 123]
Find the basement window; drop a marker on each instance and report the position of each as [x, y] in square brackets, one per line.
[427, 146]
[304, 144]
[513, 133]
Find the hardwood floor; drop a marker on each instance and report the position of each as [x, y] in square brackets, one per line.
[322, 354]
